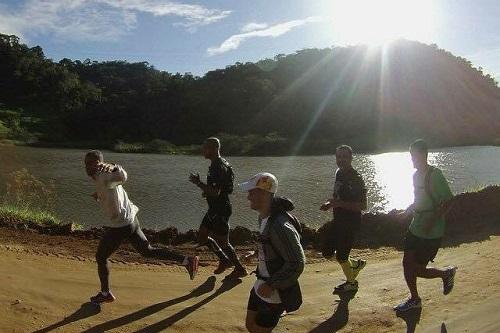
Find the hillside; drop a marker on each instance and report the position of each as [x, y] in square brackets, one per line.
[372, 98]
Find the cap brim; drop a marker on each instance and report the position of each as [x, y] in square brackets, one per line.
[246, 186]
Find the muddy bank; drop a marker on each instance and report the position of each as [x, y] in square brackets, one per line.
[474, 216]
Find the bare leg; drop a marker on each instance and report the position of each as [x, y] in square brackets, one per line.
[410, 273]
[251, 324]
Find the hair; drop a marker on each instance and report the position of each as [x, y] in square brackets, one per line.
[94, 155]
[213, 142]
[419, 146]
[345, 147]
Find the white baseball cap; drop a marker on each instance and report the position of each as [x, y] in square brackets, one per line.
[263, 180]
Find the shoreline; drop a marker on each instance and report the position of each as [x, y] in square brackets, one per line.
[478, 211]
[194, 149]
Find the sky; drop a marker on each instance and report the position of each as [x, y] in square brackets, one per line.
[199, 36]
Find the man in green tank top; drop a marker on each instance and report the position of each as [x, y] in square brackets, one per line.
[423, 239]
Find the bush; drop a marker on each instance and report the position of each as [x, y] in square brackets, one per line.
[4, 131]
[27, 192]
[28, 200]
[154, 146]
[252, 144]
[11, 126]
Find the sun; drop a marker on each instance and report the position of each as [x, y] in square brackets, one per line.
[375, 22]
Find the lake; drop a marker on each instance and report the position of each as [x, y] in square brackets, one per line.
[159, 186]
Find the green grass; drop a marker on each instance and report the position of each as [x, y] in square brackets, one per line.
[155, 146]
[26, 215]
[4, 130]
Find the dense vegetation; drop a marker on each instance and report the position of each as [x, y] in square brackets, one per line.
[28, 200]
[303, 103]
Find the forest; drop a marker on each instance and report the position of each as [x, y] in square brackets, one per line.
[373, 98]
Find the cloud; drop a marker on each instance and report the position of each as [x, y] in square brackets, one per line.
[97, 20]
[234, 41]
[194, 15]
[253, 26]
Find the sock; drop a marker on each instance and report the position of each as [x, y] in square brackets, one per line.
[185, 262]
[104, 293]
[347, 268]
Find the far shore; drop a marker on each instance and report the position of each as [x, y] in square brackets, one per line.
[166, 148]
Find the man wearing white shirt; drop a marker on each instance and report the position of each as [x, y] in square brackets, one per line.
[123, 223]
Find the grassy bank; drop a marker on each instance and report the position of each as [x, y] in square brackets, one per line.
[474, 217]
[156, 147]
[10, 214]
[250, 145]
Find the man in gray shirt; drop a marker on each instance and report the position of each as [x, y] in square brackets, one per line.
[281, 256]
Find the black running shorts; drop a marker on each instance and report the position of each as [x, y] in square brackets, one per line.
[268, 314]
[216, 223]
[425, 249]
[338, 239]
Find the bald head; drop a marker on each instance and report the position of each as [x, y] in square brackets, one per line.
[92, 159]
[213, 142]
[211, 148]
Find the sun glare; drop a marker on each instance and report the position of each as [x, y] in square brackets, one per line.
[375, 22]
[394, 173]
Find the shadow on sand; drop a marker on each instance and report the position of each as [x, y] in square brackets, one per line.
[90, 309]
[86, 310]
[167, 322]
[339, 318]
[411, 318]
[204, 288]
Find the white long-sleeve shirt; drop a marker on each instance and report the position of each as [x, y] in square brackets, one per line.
[113, 199]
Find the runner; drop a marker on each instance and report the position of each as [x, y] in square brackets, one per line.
[423, 239]
[123, 224]
[214, 229]
[281, 257]
[349, 199]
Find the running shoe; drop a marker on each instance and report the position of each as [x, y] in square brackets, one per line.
[409, 304]
[222, 267]
[101, 298]
[192, 266]
[236, 274]
[346, 287]
[449, 280]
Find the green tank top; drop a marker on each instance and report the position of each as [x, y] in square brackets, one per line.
[427, 201]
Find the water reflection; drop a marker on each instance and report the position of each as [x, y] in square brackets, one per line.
[392, 175]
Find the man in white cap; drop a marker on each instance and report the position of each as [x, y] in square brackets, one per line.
[281, 256]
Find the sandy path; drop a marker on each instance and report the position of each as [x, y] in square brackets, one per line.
[37, 293]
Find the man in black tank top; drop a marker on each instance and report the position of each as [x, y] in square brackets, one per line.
[347, 203]
[214, 228]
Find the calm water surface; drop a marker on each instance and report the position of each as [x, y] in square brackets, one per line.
[159, 186]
